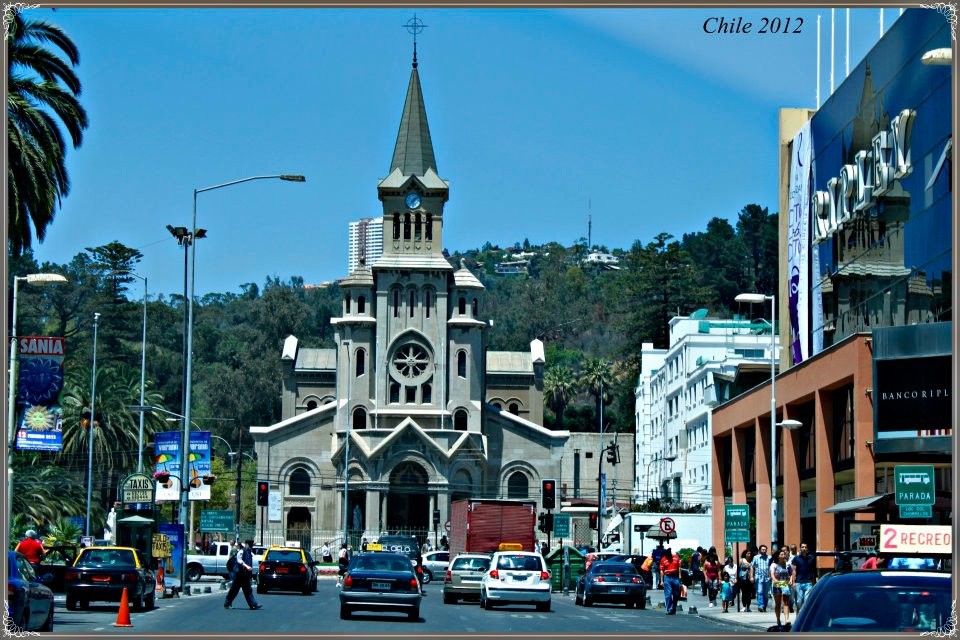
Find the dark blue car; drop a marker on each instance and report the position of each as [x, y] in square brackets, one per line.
[29, 601]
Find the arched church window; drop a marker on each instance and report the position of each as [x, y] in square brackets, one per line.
[361, 362]
[476, 309]
[427, 301]
[396, 226]
[417, 228]
[394, 392]
[411, 394]
[406, 226]
[311, 405]
[346, 303]
[460, 420]
[429, 226]
[361, 304]
[462, 364]
[396, 303]
[462, 306]
[299, 484]
[359, 418]
[518, 485]
[427, 396]
[514, 408]
[413, 301]
[498, 405]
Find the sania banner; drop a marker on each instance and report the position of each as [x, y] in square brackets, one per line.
[40, 381]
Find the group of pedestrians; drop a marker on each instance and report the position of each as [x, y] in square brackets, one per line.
[783, 580]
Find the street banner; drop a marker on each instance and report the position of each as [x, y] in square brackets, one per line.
[175, 539]
[798, 243]
[39, 383]
[198, 466]
[166, 445]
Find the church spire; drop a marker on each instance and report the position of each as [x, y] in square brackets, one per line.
[413, 153]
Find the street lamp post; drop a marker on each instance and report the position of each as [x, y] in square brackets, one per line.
[90, 428]
[33, 278]
[189, 338]
[669, 458]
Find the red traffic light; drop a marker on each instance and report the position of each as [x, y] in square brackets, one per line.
[263, 493]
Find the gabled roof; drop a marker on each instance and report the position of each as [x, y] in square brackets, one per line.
[413, 153]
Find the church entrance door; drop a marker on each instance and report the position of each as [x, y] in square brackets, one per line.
[408, 503]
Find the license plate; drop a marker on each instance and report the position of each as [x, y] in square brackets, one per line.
[519, 578]
[381, 586]
[282, 570]
[618, 590]
[470, 578]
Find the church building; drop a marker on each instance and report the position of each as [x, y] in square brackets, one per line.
[410, 411]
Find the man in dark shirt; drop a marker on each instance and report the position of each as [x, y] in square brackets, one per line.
[657, 555]
[242, 579]
[803, 576]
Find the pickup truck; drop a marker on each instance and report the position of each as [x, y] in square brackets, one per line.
[214, 562]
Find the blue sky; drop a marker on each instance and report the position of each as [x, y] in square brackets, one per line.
[538, 117]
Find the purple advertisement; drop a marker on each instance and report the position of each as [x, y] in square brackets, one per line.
[40, 380]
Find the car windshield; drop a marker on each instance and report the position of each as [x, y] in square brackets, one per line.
[882, 608]
[107, 557]
[471, 564]
[519, 563]
[283, 556]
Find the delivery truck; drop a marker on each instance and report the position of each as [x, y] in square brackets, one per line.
[481, 525]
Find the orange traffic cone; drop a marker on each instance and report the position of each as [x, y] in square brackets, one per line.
[123, 615]
[160, 588]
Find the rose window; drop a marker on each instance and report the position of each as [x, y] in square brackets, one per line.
[411, 364]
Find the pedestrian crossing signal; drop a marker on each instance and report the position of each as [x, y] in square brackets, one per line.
[263, 493]
[593, 520]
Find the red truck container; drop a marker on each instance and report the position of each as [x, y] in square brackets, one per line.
[481, 525]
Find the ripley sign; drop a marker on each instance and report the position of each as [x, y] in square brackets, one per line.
[859, 185]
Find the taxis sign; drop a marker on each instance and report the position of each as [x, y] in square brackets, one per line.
[161, 546]
[137, 488]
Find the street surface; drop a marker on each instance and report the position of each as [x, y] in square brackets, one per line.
[319, 613]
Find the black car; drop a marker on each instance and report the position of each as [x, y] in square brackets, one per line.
[29, 601]
[380, 581]
[56, 561]
[288, 569]
[613, 582]
[878, 601]
[407, 545]
[102, 573]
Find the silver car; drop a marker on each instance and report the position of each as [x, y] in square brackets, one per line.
[435, 565]
[463, 577]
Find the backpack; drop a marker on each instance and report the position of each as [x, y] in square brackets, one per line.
[232, 563]
[743, 573]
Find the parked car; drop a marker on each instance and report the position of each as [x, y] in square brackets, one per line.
[878, 601]
[289, 569]
[29, 601]
[380, 581]
[55, 562]
[101, 573]
[597, 556]
[214, 561]
[637, 562]
[616, 582]
[463, 577]
[407, 545]
[516, 577]
[435, 565]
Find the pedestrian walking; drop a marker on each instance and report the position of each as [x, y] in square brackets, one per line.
[761, 578]
[726, 591]
[730, 569]
[696, 570]
[31, 548]
[242, 579]
[780, 578]
[670, 571]
[657, 555]
[744, 581]
[711, 573]
[343, 560]
[803, 577]
[233, 561]
[325, 552]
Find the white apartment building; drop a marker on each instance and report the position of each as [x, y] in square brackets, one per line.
[366, 239]
[676, 392]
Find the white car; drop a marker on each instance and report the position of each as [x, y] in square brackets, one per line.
[435, 565]
[516, 577]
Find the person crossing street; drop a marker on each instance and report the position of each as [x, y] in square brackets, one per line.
[242, 580]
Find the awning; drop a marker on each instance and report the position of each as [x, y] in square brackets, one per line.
[857, 504]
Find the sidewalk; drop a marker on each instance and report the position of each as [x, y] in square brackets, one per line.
[753, 618]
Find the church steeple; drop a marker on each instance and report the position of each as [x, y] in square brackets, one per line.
[413, 153]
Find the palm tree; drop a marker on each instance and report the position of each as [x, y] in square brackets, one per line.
[42, 89]
[559, 387]
[596, 378]
[43, 492]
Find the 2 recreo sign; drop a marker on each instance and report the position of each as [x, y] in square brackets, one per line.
[905, 538]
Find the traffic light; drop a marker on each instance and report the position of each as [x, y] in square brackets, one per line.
[542, 522]
[593, 520]
[547, 522]
[263, 493]
[548, 494]
[613, 454]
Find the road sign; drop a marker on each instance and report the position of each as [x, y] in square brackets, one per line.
[216, 521]
[667, 525]
[161, 546]
[446, 526]
[736, 522]
[913, 484]
[916, 511]
[561, 525]
[911, 538]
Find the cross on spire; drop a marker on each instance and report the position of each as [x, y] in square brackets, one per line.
[414, 26]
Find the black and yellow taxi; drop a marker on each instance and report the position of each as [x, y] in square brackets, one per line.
[287, 569]
[102, 573]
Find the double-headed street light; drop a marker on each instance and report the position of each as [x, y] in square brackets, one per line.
[189, 337]
[759, 298]
[33, 278]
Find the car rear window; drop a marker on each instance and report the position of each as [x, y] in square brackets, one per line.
[471, 564]
[404, 545]
[275, 555]
[611, 568]
[117, 557]
[519, 563]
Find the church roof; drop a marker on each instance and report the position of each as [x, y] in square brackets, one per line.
[323, 359]
[359, 277]
[412, 261]
[509, 362]
[429, 180]
[464, 279]
[413, 153]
